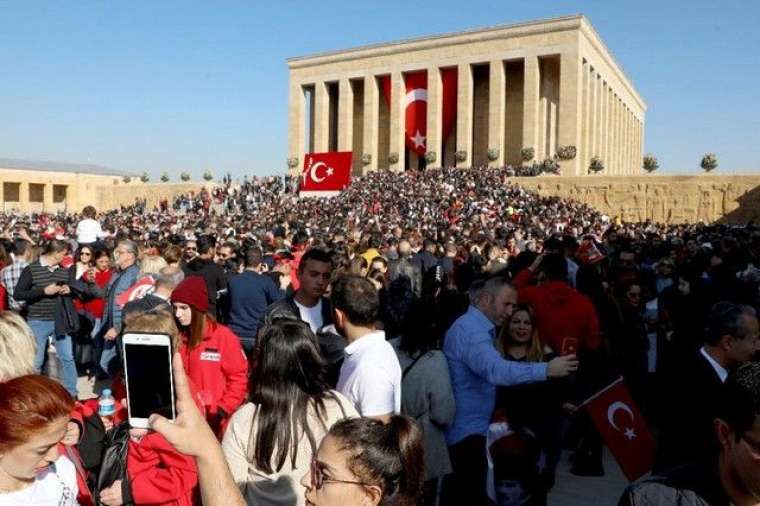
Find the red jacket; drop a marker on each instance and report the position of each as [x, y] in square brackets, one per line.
[159, 474]
[560, 312]
[219, 371]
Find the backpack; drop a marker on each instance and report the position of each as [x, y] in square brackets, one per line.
[114, 465]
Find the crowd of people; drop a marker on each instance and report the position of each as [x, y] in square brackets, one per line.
[364, 349]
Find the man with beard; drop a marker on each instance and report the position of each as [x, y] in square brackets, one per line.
[203, 265]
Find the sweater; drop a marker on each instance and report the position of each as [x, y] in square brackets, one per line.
[250, 295]
[31, 288]
[283, 487]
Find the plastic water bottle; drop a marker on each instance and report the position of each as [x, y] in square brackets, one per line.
[106, 404]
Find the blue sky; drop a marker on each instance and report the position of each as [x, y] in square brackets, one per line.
[171, 86]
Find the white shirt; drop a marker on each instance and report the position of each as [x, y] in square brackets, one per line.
[52, 487]
[370, 376]
[719, 369]
[311, 315]
[88, 230]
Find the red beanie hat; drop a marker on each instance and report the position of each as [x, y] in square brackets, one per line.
[192, 291]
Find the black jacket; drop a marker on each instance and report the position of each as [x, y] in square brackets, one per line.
[216, 280]
[691, 404]
[330, 343]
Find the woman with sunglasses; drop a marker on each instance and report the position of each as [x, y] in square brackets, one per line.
[270, 441]
[363, 461]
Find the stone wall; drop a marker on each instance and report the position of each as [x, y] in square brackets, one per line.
[110, 197]
[669, 199]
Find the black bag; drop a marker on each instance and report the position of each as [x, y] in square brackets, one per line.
[114, 465]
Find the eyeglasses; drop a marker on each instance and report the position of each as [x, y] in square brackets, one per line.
[85, 254]
[318, 477]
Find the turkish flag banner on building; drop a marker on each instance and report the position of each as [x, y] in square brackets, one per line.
[623, 429]
[415, 107]
[326, 171]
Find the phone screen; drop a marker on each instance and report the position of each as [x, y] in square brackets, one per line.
[149, 383]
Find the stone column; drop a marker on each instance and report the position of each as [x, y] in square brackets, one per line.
[321, 117]
[615, 149]
[593, 124]
[531, 88]
[585, 148]
[602, 99]
[497, 98]
[607, 126]
[23, 196]
[629, 140]
[371, 113]
[570, 92]
[296, 131]
[398, 120]
[434, 141]
[464, 114]
[47, 197]
[345, 116]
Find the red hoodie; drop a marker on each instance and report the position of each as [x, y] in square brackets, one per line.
[219, 371]
[159, 474]
[560, 312]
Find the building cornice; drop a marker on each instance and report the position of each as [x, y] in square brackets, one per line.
[565, 23]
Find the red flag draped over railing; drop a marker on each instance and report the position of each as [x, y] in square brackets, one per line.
[329, 171]
[623, 428]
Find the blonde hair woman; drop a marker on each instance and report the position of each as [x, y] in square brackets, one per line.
[151, 265]
[156, 321]
[17, 346]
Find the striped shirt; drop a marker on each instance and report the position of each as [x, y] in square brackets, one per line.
[31, 288]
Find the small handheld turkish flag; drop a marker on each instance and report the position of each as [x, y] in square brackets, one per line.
[140, 289]
[329, 171]
[623, 429]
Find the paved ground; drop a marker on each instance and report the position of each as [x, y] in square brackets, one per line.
[570, 490]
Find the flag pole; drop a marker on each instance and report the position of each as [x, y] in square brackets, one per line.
[600, 392]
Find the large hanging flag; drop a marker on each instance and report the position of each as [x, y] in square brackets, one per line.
[416, 104]
[623, 429]
[329, 171]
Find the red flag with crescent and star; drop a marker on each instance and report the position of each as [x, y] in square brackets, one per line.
[623, 429]
[416, 105]
[329, 171]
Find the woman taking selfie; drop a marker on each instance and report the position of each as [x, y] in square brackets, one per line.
[290, 396]
[533, 409]
[365, 462]
[212, 354]
[34, 413]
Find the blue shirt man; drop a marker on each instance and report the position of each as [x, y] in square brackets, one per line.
[476, 368]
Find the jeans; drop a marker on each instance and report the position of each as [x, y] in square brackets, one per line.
[43, 329]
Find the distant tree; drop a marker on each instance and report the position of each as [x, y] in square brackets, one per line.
[208, 176]
[164, 177]
[596, 165]
[126, 179]
[709, 162]
[145, 177]
[185, 176]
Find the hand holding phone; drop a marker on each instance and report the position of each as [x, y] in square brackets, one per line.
[148, 374]
[569, 346]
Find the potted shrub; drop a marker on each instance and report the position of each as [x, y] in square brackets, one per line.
[566, 152]
[145, 177]
[650, 163]
[165, 177]
[596, 165]
[431, 157]
[709, 162]
[493, 154]
[185, 176]
[527, 154]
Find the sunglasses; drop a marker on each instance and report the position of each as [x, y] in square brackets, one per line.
[318, 477]
[85, 254]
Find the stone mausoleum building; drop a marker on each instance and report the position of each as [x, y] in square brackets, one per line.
[542, 85]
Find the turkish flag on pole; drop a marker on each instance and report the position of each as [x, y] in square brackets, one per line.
[623, 429]
[326, 171]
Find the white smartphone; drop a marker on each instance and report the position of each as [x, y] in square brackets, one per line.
[148, 374]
